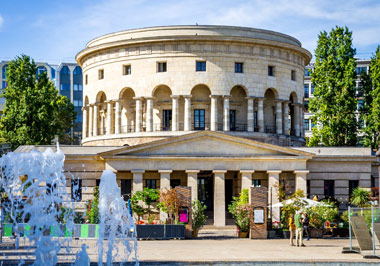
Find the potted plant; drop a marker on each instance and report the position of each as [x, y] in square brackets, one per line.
[241, 211]
[170, 204]
[198, 216]
[148, 196]
[319, 215]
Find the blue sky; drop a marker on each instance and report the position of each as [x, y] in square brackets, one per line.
[55, 31]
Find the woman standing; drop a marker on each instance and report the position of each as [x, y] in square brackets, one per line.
[305, 223]
[292, 227]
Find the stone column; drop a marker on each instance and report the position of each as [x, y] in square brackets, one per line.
[138, 124]
[286, 118]
[102, 119]
[296, 121]
[95, 120]
[164, 185]
[109, 118]
[273, 179]
[90, 119]
[302, 127]
[214, 113]
[246, 178]
[192, 181]
[149, 114]
[260, 114]
[84, 125]
[250, 116]
[175, 125]
[165, 179]
[301, 177]
[187, 120]
[117, 117]
[226, 113]
[137, 180]
[279, 117]
[219, 198]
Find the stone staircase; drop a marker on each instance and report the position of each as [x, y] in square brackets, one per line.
[209, 231]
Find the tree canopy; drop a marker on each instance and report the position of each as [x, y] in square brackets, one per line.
[34, 111]
[334, 103]
[370, 112]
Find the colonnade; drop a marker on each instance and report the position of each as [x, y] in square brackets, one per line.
[98, 120]
[219, 187]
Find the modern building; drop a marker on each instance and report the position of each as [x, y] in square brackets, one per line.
[361, 65]
[215, 108]
[67, 78]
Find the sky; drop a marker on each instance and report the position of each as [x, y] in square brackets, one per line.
[55, 31]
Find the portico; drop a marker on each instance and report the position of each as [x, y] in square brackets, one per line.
[216, 166]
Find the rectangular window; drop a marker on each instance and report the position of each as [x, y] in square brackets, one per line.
[293, 75]
[312, 124]
[256, 182]
[127, 70]
[238, 67]
[65, 87]
[360, 104]
[175, 182]
[352, 184]
[199, 119]
[86, 79]
[4, 84]
[76, 189]
[308, 188]
[306, 124]
[200, 66]
[161, 67]
[151, 183]
[166, 119]
[312, 89]
[306, 90]
[4, 70]
[101, 74]
[306, 106]
[255, 120]
[232, 120]
[360, 70]
[307, 72]
[329, 188]
[271, 71]
[125, 188]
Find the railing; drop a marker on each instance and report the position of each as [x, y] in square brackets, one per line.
[200, 126]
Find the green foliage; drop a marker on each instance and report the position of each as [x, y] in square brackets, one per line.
[65, 214]
[360, 197]
[291, 208]
[198, 214]
[318, 215]
[78, 218]
[241, 211]
[34, 112]
[344, 218]
[280, 189]
[334, 103]
[370, 113]
[92, 208]
[169, 203]
[147, 196]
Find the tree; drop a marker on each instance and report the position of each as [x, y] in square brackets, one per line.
[360, 197]
[370, 113]
[334, 103]
[34, 112]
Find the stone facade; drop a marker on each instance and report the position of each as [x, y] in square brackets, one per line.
[157, 80]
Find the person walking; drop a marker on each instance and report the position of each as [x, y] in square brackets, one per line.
[299, 229]
[306, 228]
[292, 228]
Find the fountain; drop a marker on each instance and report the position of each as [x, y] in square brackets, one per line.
[42, 211]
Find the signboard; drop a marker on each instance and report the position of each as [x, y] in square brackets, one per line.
[258, 216]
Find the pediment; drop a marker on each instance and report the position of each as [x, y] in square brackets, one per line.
[206, 144]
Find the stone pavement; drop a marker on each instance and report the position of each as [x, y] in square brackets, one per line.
[316, 251]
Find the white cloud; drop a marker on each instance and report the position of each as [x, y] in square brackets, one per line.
[1, 21]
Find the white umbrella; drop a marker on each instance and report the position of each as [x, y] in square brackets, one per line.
[307, 202]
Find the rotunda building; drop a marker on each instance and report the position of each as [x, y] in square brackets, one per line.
[153, 83]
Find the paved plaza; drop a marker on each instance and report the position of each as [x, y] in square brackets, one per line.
[317, 251]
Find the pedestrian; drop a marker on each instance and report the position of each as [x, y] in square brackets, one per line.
[292, 228]
[299, 229]
[306, 228]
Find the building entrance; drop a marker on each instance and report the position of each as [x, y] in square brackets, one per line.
[206, 189]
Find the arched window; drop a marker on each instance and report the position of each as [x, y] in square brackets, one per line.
[65, 71]
[77, 71]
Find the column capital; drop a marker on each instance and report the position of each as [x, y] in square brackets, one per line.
[192, 171]
[250, 97]
[165, 171]
[214, 96]
[226, 96]
[187, 96]
[219, 171]
[274, 171]
[138, 98]
[109, 101]
[149, 97]
[174, 96]
[137, 171]
[301, 171]
[115, 100]
[84, 108]
[247, 171]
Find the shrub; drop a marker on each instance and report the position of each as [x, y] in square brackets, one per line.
[198, 216]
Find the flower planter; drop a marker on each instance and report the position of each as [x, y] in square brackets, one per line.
[286, 234]
[195, 233]
[160, 231]
[243, 234]
[316, 232]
